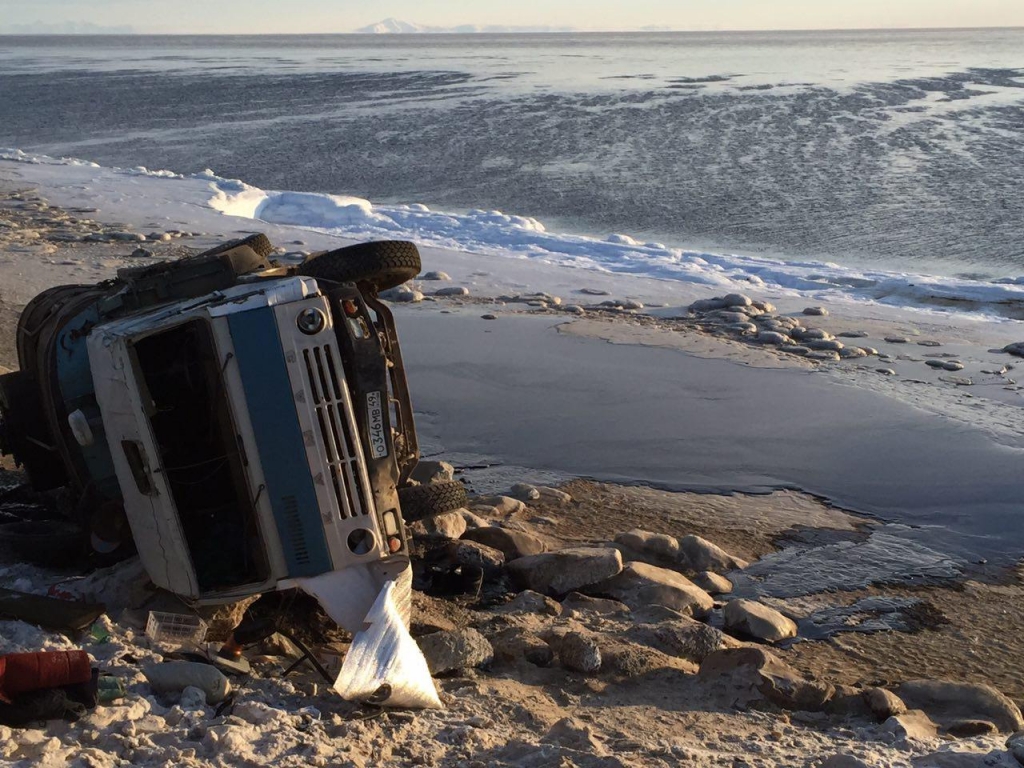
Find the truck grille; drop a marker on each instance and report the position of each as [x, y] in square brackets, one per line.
[336, 428]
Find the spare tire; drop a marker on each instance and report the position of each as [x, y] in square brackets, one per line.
[419, 502]
[258, 242]
[381, 264]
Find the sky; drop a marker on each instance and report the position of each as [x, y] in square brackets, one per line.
[296, 16]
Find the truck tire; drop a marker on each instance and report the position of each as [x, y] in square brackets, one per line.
[24, 430]
[42, 542]
[419, 502]
[259, 243]
[381, 264]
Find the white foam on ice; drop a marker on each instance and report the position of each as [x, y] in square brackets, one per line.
[499, 234]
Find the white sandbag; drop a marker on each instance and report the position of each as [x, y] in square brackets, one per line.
[385, 666]
[179, 675]
[348, 595]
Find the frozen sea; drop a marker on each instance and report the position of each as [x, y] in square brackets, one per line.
[896, 151]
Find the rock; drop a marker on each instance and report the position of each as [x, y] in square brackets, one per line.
[503, 505]
[192, 698]
[763, 675]
[454, 290]
[758, 620]
[574, 309]
[843, 761]
[736, 300]
[579, 653]
[935, 363]
[913, 724]
[1016, 746]
[689, 640]
[435, 276]
[728, 317]
[141, 253]
[1017, 349]
[458, 649]
[488, 316]
[824, 344]
[816, 311]
[795, 349]
[897, 339]
[852, 353]
[402, 294]
[764, 306]
[929, 343]
[512, 544]
[477, 555]
[948, 701]
[969, 729]
[566, 570]
[707, 305]
[743, 328]
[712, 583]
[885, 371]
[657, 545]
[528, 602]
[884, 704]
[554, 495]
[812, 334]
[640, 584]
[433, 472]
[577, 737]
[524, 492]
[699, 554]
[853, 334]
[473, 521]
[952, 365]
[632, 304]
[517, 643]
[773, 338]
[577, 604]
[848, 701]
[823, 355]
[450, 525]
[593, 291]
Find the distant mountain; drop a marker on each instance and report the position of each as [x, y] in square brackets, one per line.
[64, 28]
[397, 27]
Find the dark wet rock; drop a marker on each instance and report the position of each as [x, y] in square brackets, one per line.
[1017, 349]
[795, 349]
[699, 554]
[885, 371]
[764, 675]
[929, 343]
[579, 653]
[853, 334]
[1016, 746]
[949, 701]
[707, 305]
[566, 570]
[758, 620]
[897, 339]
[641, 584]
[772, 338]
[529, 601]
[474, 554]
[812, 334]
[712, 583]
[458, 649]
[142, 253]
[512, 544]
[883, 703]
[488, 316]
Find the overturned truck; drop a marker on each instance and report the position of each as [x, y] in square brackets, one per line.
[242, 425]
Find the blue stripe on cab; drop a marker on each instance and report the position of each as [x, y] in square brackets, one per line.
[278, 436]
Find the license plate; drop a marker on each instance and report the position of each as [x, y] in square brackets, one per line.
[375, 425]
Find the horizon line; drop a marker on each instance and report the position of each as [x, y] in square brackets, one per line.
[352, 33]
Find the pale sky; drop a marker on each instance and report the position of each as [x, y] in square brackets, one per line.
[293, 16]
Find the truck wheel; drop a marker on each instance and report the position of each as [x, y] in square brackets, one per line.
[259, 243]
[422, 501]
[42, 542]
[21, 420]
[381, 264]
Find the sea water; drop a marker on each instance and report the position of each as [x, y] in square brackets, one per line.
[886, 150]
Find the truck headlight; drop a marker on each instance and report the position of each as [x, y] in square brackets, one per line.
[311, 320]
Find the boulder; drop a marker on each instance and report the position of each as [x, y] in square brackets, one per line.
[577, 604]
[699, 554]
[473, 520]
[458, 649]
[504, 505]
[758, 620]
[736, 300]
[579, 653]
[707, 305]
[712, 583]
[566, 570]
[512, 544]
[948, 701]
[640, 584]
[450, 525]
[517, 643]
[1016, 746]
[690, 640]
[433, 472]
[435, 276]
[773, 338]
[1017, 348]
[472, 553]
[659, 546]
[760, 674]
[843, 761]
[884, 704]
[816, 311]
[529, 601]
[453, 290]
[911, 725]
[524, 492]
[554, 495]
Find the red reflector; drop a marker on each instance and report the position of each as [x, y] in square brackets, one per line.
[351, 308]
[394, 544]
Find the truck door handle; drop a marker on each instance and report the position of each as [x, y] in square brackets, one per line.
[138, 465]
